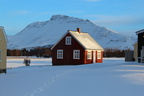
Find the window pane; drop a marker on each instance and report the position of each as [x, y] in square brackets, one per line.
[68, 40]
[76, 54]
[59, 54]
[99, 55]
[89, 55]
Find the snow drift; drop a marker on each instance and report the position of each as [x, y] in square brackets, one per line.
[113, 77]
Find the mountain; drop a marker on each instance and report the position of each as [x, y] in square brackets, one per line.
[49, 32]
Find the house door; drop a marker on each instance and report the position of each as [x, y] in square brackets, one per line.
[94, 56]
[68, 57]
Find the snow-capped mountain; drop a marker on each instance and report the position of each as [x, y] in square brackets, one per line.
[49, 32]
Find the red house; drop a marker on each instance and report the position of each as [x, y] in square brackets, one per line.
[76, 48]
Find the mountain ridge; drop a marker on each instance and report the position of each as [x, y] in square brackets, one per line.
[50, 31]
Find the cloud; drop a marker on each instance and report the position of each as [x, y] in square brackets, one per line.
[121, 23]
[61, 12]
[115, 20]
[93, 0]
[2, 0]
[25, 12]
[21, 12]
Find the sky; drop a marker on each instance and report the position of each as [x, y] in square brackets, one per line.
[123, 16]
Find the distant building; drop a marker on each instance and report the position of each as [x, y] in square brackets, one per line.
[76, 47]
[3, 50]
[140, 48]
[129, 56]
[135, 51]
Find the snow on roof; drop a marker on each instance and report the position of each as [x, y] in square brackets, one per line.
[140, 31]
[86, 40]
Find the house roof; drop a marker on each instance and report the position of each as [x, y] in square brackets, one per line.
[140, 31]
[2, 28]
[84, 39]
[135, 43]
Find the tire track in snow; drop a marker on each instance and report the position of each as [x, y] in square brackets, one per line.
[49, 82]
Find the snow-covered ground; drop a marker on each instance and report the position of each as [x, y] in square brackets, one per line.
[113, 77]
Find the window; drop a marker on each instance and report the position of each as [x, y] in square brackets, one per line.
[68, 40]
[59, 54]
[76, 54]
[89, 55]
[99, 54]
[0, 55]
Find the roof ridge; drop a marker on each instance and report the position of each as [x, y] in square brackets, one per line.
[77, 31]
[86, 41]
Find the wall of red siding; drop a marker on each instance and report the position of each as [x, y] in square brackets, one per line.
[68, 53]
[101, 59]
[87, 61]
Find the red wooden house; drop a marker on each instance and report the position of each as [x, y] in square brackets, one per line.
[76, 48]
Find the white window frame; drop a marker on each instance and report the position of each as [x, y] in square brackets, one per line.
[89, 54]
[68, 40]
[59, 54]
[0, 55]
[76, 54]
[98, 54]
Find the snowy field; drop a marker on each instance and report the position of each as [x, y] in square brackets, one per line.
[113, 77]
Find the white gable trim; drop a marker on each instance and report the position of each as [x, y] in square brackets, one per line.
[64, 36]
[60, 39]
[76, 40]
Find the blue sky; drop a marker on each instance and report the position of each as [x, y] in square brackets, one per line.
[123, 16]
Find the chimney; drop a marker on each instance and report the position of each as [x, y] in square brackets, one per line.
[78, 29]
